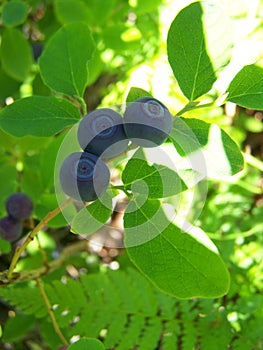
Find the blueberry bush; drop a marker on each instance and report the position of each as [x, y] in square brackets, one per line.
[131, 174]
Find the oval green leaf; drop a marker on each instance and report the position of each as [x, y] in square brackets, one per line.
[38, 116]
[16, 54]
[63, 64]
[14, 13]
[208, 149]
[198, 45]
[181, 263]
[246, 89]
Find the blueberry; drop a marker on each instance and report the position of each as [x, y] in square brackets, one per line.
[101, 132]
[147, 122]
[83, 176]
[37, 49]
[19, 206]
[10, 228]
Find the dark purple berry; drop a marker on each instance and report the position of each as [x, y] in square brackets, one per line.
[19, 206]
[37, 49]
[83, 176]
[10, 229]
[147, 122]
[101, 132]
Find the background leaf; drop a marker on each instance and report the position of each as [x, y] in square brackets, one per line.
[136, 93]
[199, 44]
[63, 64]
[18, 326]
[71, 11]
[5, 246]
[183, 264]
[208, 148]
[8, 86]
[47, 203]
[246, 89]
[8, 179]
[38, 116]
[16, 54]
[14, 13]
[87, 344]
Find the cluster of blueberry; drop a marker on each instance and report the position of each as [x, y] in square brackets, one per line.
[104, 134]
[19, 207]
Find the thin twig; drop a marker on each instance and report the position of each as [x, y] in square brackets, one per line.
[29, 275]
[33, 233]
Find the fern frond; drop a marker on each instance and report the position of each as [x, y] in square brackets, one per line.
[25, 297]
[125, 311]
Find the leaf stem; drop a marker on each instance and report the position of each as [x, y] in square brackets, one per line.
[256, 163]
[122, 188]
[220, 236]
[51, 312]
[33, 233]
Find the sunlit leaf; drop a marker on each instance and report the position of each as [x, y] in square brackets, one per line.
[246, 89]
[198, 44]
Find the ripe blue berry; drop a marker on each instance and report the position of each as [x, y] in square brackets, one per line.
[147, 122]
[19, 206]
[101, 132]
[83, 176]
[10, 228]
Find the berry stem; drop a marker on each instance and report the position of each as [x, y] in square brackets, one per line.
[122, 188]
[50, 311]
[42, 253]
[33, 233]
[253, 161]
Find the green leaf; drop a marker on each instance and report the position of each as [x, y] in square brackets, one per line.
[112, 37]
[95, 67]
[14, 13]
[101, 11]
[208, 149]
[8, 178]
[38, 116]
[8, 86]
[87, 344]
[246, 89]
[71, 11]
[93, 217]
[47, 203]
[136, 93]
[16, 54]
[49, 157]
[198, 44]
[183, 264]
[5, 246]
[17, 327]
[39, 88]
[145, 6]
[30, 182]
[154, 181]
[63, 63]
